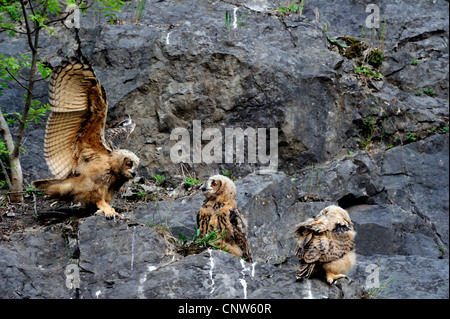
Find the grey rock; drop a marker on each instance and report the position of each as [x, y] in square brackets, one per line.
[114, 254]
[412, 182]
[174, 67]
[179, 215]
[389, 230]
[405, 277]
[180, 63]
[33, 266]
[127, 259]
[216, 274]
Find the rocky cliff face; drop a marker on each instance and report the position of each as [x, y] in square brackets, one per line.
[374, 146]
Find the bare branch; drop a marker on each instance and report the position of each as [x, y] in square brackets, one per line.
[20, 76]
[18, 82]
[25, 16]
[31, 7]
[3, 29]
[57, 20]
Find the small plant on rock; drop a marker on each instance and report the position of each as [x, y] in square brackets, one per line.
[140, 6]
[376, 58]
[429, 92]
[414, 61]
[369, 127]
[411, 137]
[293, 8]
[226, 173]
[443, 130]
[365, 70]
[197, 244]
[111, 9]
[237, 21]
[190, 182]
[159, 179]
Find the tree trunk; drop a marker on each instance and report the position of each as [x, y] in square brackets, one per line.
[16, 191]
[16, 179]
[8, 139]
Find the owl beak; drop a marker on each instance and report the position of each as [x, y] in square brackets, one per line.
[203, 188]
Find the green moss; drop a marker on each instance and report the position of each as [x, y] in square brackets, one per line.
[353, 48]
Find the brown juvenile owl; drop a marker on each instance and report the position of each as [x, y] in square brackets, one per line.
[219, 212]
[326, 242]
[87, 167]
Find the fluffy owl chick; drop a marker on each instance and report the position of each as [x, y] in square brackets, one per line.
[95, 181]
[326, 242]
[219, 212]
[86, 164]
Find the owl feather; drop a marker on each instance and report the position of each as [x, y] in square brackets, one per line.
[219, 212]
[326, 241]
[86, 167]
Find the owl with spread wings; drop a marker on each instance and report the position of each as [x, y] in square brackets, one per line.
[326, 242]
[220, 213]
[83, 156]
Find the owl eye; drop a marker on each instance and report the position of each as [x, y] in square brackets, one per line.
[213, 184]
[129, 164]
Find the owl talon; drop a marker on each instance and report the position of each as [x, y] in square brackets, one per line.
[109, 212]
[111, 217]
[332, 280]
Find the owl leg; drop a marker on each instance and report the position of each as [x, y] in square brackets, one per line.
[331, 277]
[105, 208]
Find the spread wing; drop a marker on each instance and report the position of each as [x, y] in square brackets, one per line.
[77, 122]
